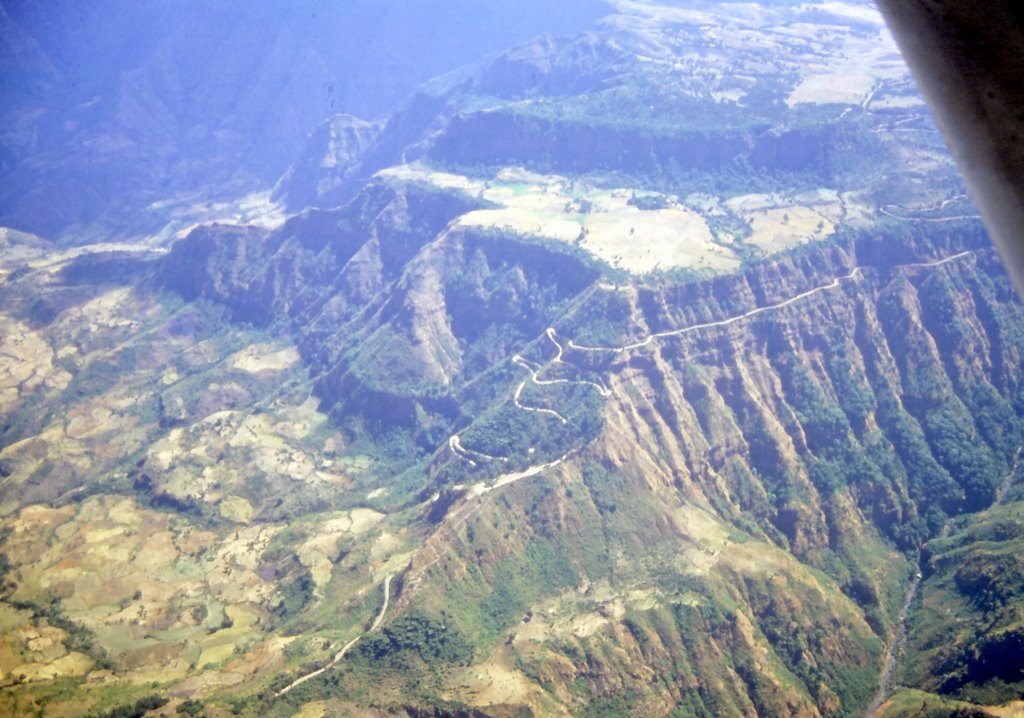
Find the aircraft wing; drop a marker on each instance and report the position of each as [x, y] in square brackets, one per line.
[968, 58]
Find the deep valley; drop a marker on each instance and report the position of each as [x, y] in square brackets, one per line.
[662, 369]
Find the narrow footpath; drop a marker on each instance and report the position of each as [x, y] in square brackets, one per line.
[345, 649]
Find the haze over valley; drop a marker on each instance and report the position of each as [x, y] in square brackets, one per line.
[639, 358]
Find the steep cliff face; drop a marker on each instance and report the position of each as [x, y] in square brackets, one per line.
[879, 367]
[750, 485]
[652, 93]
[462, 305]
[345, 255]
[749, 458]
[690, 493]
[332, 151]
[692, 427]
[518, 137]
[391, 306]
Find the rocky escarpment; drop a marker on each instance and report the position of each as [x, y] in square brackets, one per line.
[618, 100]
[435, 125]
[327, 177]
[806, 423]
[529, 483]
[824, 434]
[870, 383]
[395, 312]
[567, 146]
[555, 67]
[331, 153]
[671, 495]
[321, 262]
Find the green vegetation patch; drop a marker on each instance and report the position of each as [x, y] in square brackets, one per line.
[966, 631]
[432, 640]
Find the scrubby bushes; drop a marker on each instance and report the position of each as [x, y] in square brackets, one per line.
[431, 640]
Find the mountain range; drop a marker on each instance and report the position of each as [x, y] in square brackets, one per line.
[634, 359]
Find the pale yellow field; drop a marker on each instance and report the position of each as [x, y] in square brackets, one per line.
[1014, 709]
[320, 550]
[137, 579]
[643, 241]
[776, 230]
[601, 221]
[26, 362]
[263, 359]
[779, 223]
[606, 223]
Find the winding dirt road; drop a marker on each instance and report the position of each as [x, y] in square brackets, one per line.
[550, 332]
[535, 378]
[345, 649]
[518, 360]
[467, 509]
[957, 218]
[601, 389]
[455, 444]
[720, 323]
[753, 312]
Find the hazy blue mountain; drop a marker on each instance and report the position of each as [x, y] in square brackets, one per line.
[111, 106]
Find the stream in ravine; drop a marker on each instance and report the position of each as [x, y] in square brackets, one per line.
[896, 644]
[899, 638]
